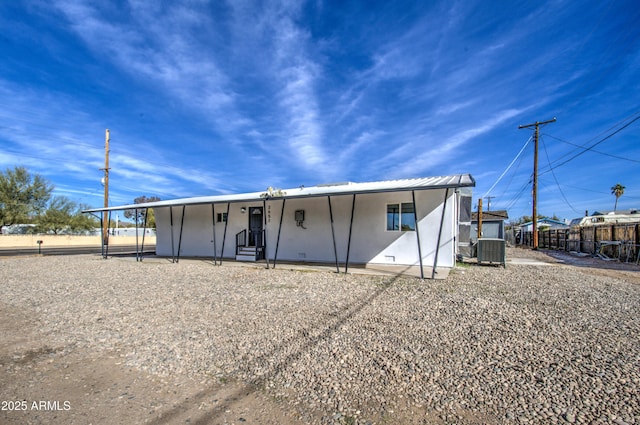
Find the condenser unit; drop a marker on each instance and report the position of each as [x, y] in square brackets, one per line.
[492, 251]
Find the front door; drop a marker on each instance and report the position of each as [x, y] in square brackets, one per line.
[255, 226]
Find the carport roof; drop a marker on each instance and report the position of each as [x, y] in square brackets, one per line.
[332, 189]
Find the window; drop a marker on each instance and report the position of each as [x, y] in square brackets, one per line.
[407, 217]
[401, 217]
[222, 218]
[393, 217]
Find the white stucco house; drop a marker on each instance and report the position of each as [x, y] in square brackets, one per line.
[411, 222]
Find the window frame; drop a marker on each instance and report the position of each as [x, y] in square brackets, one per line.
[399, 209]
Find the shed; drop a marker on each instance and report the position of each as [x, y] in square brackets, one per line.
[492, 224]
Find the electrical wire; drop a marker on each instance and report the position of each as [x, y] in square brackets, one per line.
[507, 169]
[517, 196]
[592, 150]
[611, 128]
[587, 149]
[513, 174]
[544, 146]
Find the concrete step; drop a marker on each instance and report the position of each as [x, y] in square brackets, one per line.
[246, 253]
[246, 257]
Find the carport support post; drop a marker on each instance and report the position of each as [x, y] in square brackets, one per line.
[415, 218]
[333, 235]
[144, 231]
[275, 257]
[107, 238]
[137, 248]
[224, 235]
[181, 227]
[444, 210]
[102, 213]
[264, 220]
[173, 258]
[353, 207]
[213, 222]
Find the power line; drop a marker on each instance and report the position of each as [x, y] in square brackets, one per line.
[544, 146]
[604, 132]
[517, 196]
[592, 150]
[511, 178]
[588, 190]
[594, 145]
[508, 167]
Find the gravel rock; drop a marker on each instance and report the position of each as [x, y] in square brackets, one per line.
[522, 344]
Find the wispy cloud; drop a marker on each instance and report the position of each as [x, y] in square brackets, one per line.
[61, 143]
[160, 44]
[204, 97]
[168, 50]
[303, 132]
[289, 75]
[449, 147]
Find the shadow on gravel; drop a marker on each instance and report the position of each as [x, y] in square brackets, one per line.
[304, 337]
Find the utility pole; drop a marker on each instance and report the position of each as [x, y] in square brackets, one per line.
[105, 220]
[534, 214]
[489, 198]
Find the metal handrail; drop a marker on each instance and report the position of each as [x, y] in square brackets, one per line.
[241, 239]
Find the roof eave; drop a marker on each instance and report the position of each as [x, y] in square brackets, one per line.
[257, 196]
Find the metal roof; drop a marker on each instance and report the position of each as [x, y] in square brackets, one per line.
[496, 215]
[335, 189]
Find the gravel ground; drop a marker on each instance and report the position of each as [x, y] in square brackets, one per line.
[521, 344]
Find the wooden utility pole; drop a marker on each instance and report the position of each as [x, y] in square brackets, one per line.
[105, 220]
[534, 214]
[489, 198]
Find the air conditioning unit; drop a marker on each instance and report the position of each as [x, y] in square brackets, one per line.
[492, 251]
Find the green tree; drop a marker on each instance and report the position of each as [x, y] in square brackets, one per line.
[151, 218]
[57, 216]
[64, 214]
[618, 191]
[22, 195]
[83, 222]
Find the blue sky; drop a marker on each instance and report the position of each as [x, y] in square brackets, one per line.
[212, 97]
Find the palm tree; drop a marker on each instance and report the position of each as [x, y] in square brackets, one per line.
[617, 190]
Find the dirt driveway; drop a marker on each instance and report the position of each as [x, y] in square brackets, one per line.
[44, 381]
[45, 384]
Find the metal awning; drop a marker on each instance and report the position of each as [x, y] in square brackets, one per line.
[332, 189]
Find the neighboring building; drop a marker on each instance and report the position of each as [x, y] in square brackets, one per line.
[608, 217]
[544, 223]
[404, 222]
[129, 231]
[632, 211]
[18, 229]
[492, 224]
